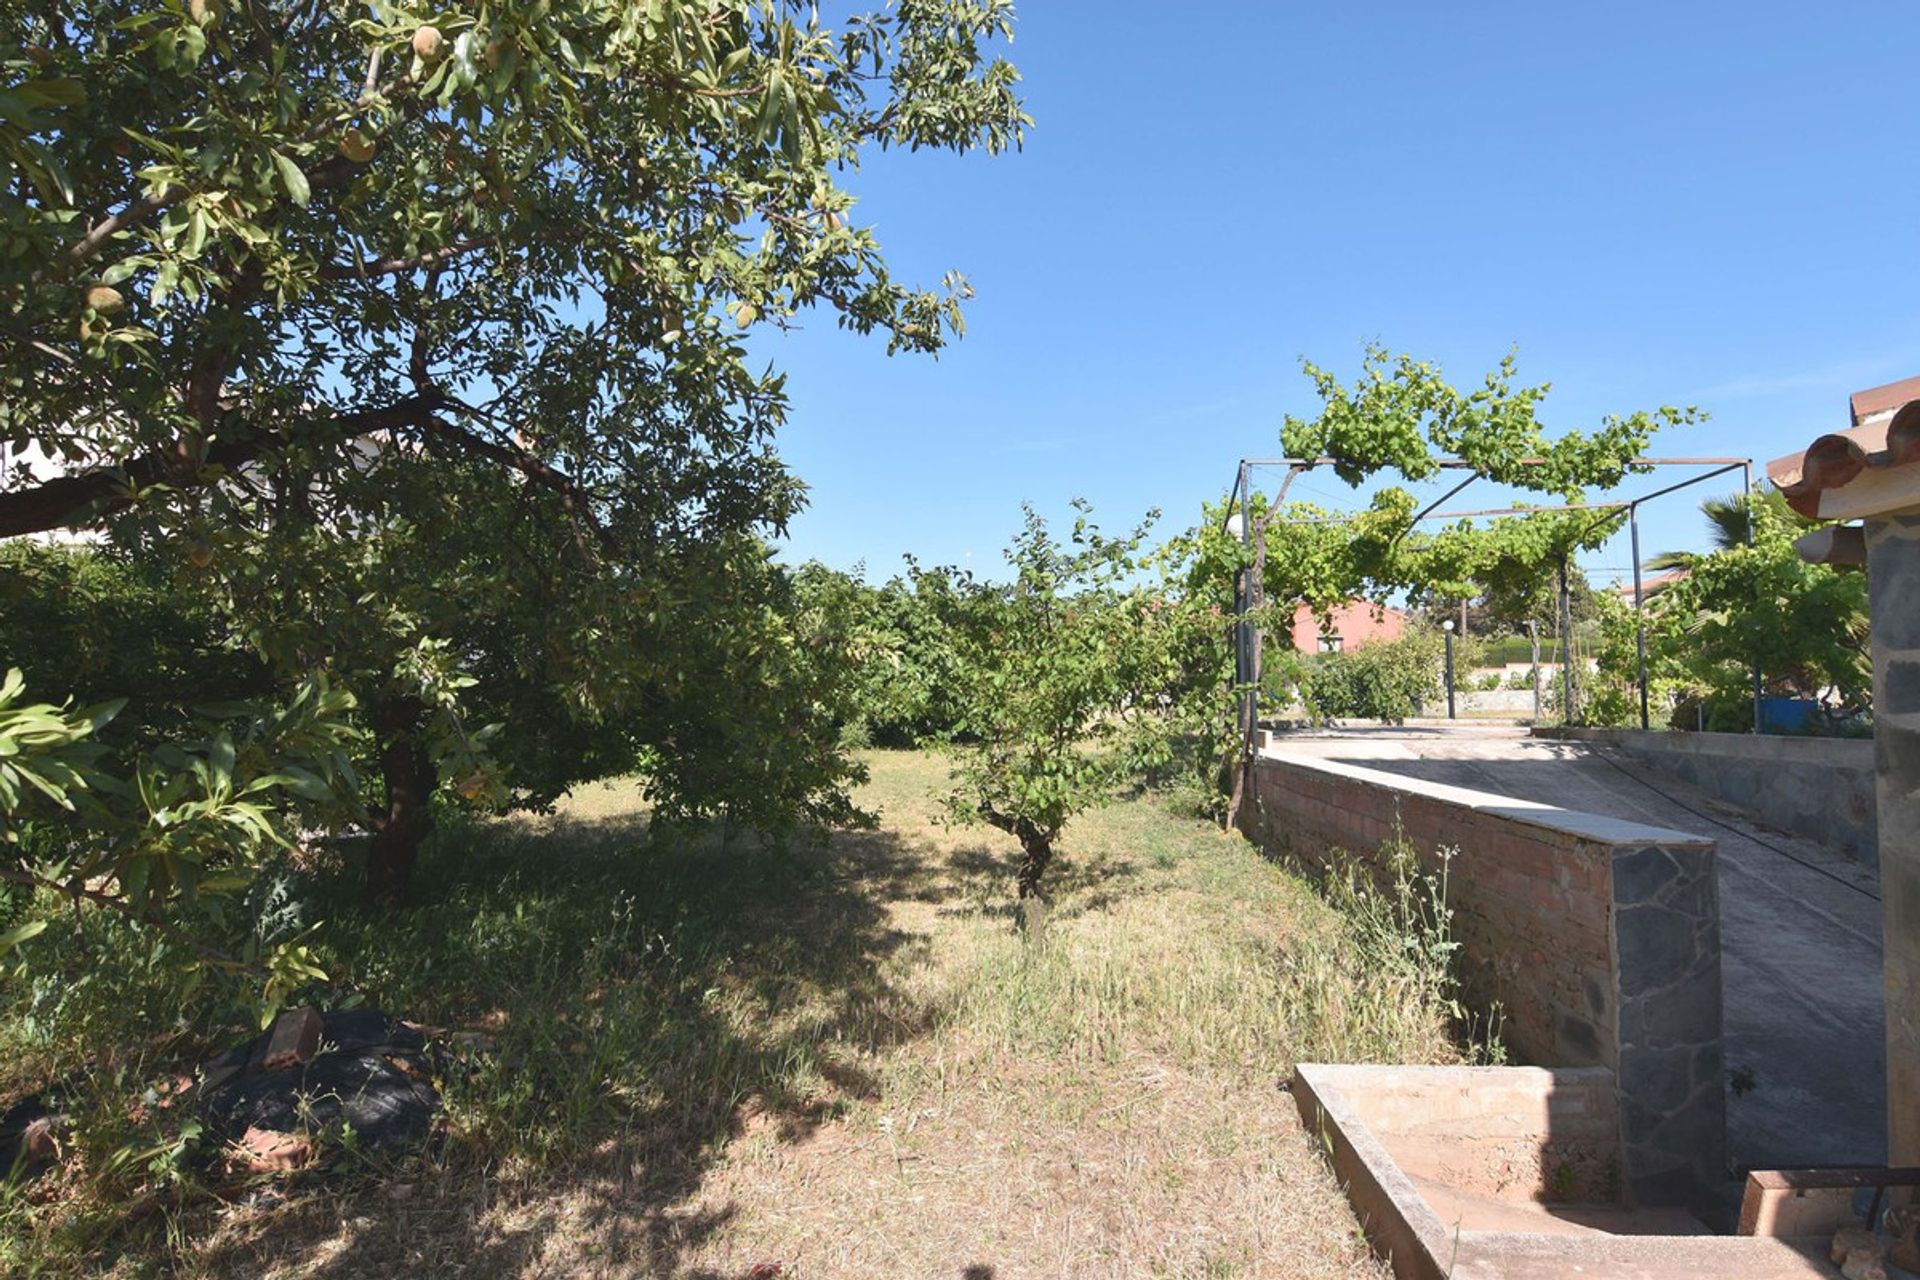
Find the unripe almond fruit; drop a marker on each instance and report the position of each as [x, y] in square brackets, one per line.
[105, 299]
[427, 42]
[204, 12]
[356, 146]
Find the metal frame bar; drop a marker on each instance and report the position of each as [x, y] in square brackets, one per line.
[1243, 492]
[1639, 612]
[1466, 515]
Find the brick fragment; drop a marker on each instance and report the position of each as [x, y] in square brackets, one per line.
[269, 1151]
[295, 1038]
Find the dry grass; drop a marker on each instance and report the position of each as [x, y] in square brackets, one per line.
[864, 1072]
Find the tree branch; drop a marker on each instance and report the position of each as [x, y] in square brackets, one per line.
[397, 266]
[76, 890]
[573, 496]
[135, 213]
[75, 501]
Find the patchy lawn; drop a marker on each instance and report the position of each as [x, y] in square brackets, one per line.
[842, 1060]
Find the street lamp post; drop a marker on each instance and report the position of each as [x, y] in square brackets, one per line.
[1447, 627]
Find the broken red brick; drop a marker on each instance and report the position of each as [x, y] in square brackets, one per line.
[294, 1039]
[269, 1151]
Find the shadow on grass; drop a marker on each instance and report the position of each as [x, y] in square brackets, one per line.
[648, 1002]
[1075, 886]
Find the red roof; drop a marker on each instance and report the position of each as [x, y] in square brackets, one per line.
[1884, 399]
[1834, 460]
[1652, 582]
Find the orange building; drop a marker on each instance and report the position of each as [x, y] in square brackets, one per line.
[1348, 626]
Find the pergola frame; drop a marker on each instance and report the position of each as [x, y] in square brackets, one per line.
[1249, 585]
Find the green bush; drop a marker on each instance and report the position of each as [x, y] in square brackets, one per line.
[1508, 650]
[901, 687]
[97, 625]
[1389, 681]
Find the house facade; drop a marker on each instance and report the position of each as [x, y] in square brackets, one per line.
[1346, 626]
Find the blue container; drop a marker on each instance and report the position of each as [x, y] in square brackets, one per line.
[1786, 715]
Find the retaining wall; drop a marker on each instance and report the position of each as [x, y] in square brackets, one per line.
[1598, 938]
[1820, 788]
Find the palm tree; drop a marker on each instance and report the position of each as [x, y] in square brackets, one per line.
[1729, 525]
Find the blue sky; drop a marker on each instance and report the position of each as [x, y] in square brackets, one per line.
[1691, 203]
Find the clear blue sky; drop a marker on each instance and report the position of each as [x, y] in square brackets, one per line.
[1704, 203]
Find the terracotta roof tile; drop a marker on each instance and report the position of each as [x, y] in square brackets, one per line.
[1835, 460]
[1884, 399]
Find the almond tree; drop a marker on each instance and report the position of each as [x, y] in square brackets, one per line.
[418, 332]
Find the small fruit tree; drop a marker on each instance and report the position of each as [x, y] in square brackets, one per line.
[1063, 680]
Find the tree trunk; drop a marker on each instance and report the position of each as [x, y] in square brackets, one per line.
[1036, 855]
[1237, 763]
[1036, 848]
[410, 778]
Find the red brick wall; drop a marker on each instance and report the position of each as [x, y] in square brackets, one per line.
[1531, 905]
[1598, 938]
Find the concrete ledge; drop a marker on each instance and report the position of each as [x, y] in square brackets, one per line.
[1598, 939]
[1571, 822]
[1367, 1117]
[1819, 788]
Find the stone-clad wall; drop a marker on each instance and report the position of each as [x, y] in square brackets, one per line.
[1893, 577]
[1820, 788]
[1598, 938]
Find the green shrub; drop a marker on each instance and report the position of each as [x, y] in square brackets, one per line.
[1508, 650]
[1396, 971]
[1389, 681]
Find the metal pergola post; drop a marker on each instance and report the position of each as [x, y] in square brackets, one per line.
[1746, 493]
[1243, 629]
[1639, 611]
[1533, 642]
[1566, 646]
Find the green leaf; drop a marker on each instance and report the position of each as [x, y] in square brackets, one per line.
[20, 933]
[100, 713]
[291, 178]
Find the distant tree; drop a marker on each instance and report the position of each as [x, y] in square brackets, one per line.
[1730, 524]
[901, 634]
[98, 626]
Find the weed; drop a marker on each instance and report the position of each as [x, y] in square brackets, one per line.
[1386, 987]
